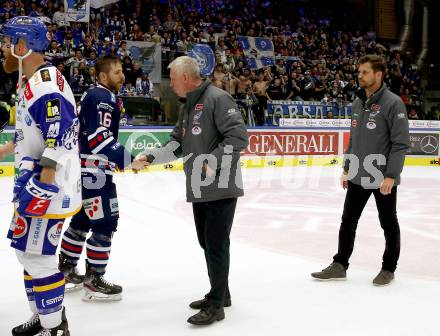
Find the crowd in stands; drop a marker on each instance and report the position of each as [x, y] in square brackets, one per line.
[316, 51]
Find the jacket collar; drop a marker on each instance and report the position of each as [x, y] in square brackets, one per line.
[374, 97]
[193, 96]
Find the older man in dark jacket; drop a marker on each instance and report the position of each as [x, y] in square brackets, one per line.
[209, 136]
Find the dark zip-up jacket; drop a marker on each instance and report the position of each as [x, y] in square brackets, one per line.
[379, 138]
[209, 126]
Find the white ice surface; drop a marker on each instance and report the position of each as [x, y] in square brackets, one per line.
[285, 227]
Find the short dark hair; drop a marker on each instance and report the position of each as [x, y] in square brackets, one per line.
[103, 64]
[377, 63]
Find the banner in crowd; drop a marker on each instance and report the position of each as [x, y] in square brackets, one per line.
[149, 55]
[286, 109]
[259, 51]
[77, 10]
[101, 3]
[205, 58]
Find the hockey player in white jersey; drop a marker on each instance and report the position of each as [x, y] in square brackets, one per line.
[47, 188]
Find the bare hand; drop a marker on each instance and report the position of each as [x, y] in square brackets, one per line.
[387, 186]
[344, 180]
[209, 172]
[6, 149]
[139, 164]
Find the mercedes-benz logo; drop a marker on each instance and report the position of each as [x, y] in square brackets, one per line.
[429, 144]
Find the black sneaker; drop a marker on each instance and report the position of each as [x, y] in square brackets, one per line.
[29, 328]
[199, 304]
[335, 271]
[383, 278]
[207, 315]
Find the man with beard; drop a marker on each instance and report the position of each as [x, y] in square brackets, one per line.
[379, 140]
[101, 155]
[48, 173]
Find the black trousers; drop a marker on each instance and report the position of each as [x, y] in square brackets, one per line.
[259, 109]
[355, 202]
[213, 223]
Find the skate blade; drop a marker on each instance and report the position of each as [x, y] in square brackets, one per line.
[71, 288]
[90, 296]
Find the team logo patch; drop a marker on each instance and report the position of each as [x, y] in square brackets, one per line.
[53, 108]
[354, 123]
[45, 75]
[21, 227]
[375, 108]
[232, 111]
[199, 107]
[196, 130]
[93, 208]
[54, 233]
[371, 125]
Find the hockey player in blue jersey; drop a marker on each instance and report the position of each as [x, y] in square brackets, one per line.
[47, 186]
[101, 155]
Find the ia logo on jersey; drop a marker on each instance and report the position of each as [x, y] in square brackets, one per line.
[53, 108]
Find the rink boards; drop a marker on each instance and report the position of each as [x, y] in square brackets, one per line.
[320, 145]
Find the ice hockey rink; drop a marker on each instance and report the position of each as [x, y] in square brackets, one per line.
[285, 227]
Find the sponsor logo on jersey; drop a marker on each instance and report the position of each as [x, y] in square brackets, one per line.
[28, 92]
[93, 208]
[54, 130]
[38, 223]
[21, 227]
[60, 81]
[66, 202]
[49, 302]
[54, 233]
[19, 136]
[28, 119]
[114, 206]
[105, 107]
[70, 137]
[45, 75]
[53, 108]
[51, 143]
[199, 107]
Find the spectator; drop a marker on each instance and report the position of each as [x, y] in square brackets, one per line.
[275, 90]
